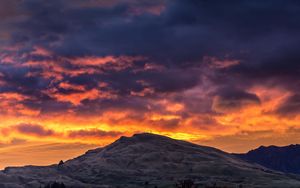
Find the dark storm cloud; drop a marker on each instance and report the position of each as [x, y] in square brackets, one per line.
[185, 30]
[47, 105]
[232, 99]
[289, 107]
[235, 94]
[40, 131]
[93, 133]
[9, 13]
[17, 80]
[8, 9]
[174, 35]
[32, 129]
[170, 80]
[166, 124]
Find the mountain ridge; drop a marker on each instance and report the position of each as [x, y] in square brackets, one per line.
[281, 158]
[149, 159]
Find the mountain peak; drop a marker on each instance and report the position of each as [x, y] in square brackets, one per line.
[276, 148]
[147, 136]
[143, 137]
[281, 158]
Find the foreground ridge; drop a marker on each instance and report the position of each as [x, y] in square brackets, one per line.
[145, 160]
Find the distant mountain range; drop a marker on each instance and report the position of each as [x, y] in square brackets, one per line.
[285, 159]
[149, 160]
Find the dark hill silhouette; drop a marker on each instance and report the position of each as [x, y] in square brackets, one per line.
[285, 159]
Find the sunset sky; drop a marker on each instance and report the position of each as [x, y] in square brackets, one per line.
[76, 75]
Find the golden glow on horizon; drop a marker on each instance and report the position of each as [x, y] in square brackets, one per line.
[233, 128]
[251, 118]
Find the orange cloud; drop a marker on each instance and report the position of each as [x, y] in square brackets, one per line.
[41, 51]
[76, 98]
[66, 85]
[11, 104]
[108, 62]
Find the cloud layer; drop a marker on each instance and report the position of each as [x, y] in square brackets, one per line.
[207, 71]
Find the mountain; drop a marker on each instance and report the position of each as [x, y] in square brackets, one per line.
[285, 159]
[148, 160]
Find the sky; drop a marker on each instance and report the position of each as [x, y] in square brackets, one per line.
[76, 75]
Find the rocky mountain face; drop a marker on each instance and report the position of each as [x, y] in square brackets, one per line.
[285, 159]
[148, 160]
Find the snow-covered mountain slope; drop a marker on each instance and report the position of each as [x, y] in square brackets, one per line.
[148, 160]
